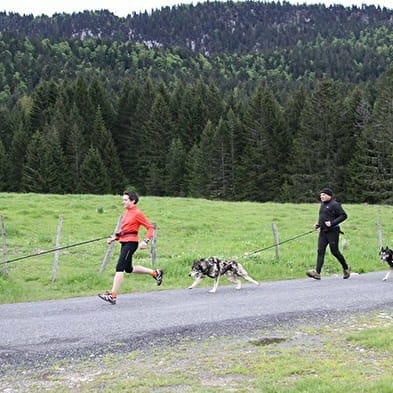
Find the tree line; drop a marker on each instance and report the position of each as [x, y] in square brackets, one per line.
[234, 101]
[193, 140]
[209, 27]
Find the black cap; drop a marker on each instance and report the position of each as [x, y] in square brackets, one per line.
[327, 191]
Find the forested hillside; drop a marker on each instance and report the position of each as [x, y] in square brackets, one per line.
[237, 101]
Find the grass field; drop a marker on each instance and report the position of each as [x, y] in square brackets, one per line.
[187, 229]
[351, 354]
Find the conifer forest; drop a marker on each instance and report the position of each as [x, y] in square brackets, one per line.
[246, 101]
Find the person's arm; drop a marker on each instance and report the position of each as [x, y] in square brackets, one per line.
[340, 215]
[142, 219]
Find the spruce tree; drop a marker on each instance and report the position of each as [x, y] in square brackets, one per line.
[315, 151]
[94, 176]
[125, 132]
[175, 169]
[371, 168]
[264, 157]
[4, 169]
[21, 136]
[74, 155]
[356, 117]
[195, 176]
[102, 140]
[208, 163]
[44, 100]
[157, 134]
[44, 171]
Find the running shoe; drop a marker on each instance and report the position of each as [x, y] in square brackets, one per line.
[347, 273]
[313, 274]
[107, 296]
[158, 276]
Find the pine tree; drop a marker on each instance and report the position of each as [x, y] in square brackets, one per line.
[356, 117]
[74, 155]
[44, 99]
[196, 176]
[126, 135]
[103, 142]
[99, 98]
[94, 176]
[21, 135]
[264, 157]
[4, 168]
[138, 140]
[175, 170]
[86, 107]
[157, 135]
[207, 163]
[314, 156]
[371, 169]
[45, 165]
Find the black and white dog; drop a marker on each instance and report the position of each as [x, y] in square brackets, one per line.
[215, 268]
[386, 256]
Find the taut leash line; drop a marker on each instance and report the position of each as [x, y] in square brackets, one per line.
[277, 244]
[53, 250]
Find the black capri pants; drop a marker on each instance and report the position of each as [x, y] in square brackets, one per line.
[124, 264]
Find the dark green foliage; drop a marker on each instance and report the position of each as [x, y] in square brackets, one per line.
[372, 166]
[94, 176]
[235, 101]
[175, 169]
[103, 142]
[316, 146]
[44, 171]
[4, 169]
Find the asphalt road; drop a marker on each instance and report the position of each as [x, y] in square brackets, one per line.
[88, 326]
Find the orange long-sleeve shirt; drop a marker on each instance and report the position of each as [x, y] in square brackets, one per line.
[132, 219]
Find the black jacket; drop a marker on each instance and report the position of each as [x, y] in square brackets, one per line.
[333, 212]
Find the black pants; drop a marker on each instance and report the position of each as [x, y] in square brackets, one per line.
[329, 237]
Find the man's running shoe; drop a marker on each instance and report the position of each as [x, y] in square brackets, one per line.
[313, 274]
[347, 273]
[107, 296]
[158, 276]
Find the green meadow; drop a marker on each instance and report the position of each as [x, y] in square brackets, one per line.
[187, 229]
[351, 354]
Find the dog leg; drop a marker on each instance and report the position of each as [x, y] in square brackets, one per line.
[387, 275]
[243, 274]
[195, 283]
[238, 284]
[216, 280]
[248, 278]
[231, 277]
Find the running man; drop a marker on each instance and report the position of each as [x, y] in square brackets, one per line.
[128, 238]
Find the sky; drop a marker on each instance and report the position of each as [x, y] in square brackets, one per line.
[125, 7]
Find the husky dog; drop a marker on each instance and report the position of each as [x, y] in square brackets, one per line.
[386, 256]
[215, 268]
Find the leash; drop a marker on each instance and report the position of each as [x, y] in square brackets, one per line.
[277, 244]
[53, 250]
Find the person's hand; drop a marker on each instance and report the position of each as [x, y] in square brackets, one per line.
[316, 226]
[328, 224]
[143, 245]
[111, 240]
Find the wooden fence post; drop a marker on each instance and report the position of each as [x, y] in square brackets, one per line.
[153, 250]
[379, 232]
[56, 260]
[109, 250]
[276, 241]
[3, 236]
